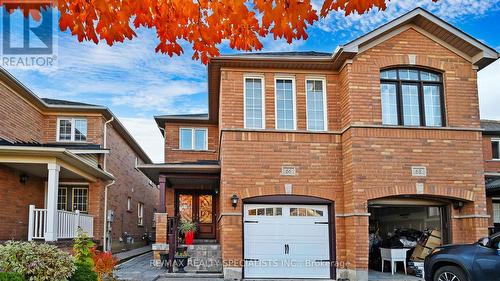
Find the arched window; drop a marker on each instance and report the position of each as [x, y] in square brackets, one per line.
[412, 97]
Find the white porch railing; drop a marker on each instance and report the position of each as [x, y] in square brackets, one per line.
[67, 224]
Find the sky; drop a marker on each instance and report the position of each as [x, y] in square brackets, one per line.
[136, 83]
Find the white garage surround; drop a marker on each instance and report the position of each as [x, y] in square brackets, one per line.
[286, 241]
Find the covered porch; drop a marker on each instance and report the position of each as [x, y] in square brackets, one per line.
[57, 185]
[188, 192]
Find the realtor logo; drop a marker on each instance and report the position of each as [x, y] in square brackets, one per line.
[28, 41]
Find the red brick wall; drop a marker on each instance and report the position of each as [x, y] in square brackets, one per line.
[18, 119]
[14, 203]
[174, 154]
[489, 164]
[362, 162]
[130, 182]
[460, 78]
[232, 97]
[94, 127]
[251, 166]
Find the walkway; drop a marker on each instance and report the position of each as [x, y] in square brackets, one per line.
[138, 269]
[126, 255]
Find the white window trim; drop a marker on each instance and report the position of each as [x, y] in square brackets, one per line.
[325, 102]
[498, 141]
[73, 198]
[193, 130]
[65, 199]
[59, 119]
[129, 204]
[140, 214]
[495, 216]
[285, 77]
[262, 79]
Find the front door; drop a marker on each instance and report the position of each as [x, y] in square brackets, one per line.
[198, 206]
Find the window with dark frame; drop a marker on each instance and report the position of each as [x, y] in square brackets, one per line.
[412, 97]
[495, 149]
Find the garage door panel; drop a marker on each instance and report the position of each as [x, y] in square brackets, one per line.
[264, 250]
[304, 228]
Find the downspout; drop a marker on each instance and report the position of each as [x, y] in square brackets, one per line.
[105, 224]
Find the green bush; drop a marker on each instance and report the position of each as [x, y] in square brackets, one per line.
[36, 261]
[84, 272]
[82, 248]
[11, 276]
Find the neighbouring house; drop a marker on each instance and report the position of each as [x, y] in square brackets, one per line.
[491, 150]
[65, 165]
[303, 155]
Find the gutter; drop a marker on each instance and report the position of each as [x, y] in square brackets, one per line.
[105, 217]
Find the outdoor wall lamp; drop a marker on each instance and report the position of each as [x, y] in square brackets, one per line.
[458, 205]
[234, 201]
[23, 178]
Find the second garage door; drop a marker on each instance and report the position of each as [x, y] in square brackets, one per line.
[286, 241]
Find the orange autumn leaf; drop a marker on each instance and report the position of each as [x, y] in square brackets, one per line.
[203, 24]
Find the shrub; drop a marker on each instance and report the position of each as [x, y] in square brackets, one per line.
[11, 276]
[82, 248]
[84, 272]
[104, 263]
[36, 262]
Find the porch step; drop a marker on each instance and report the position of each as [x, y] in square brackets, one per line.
[204, 241]
[204, 258]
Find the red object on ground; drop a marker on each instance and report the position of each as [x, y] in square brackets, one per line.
[189, 237]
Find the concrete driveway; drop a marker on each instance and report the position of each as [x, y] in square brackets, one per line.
[140, 269]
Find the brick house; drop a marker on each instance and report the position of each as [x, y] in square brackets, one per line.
[491, 148]
[65, 164]
[304, 154]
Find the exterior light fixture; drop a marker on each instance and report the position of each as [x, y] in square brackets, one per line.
[23, 178]
[234, 201]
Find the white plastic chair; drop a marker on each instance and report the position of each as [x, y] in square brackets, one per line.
[393, 256]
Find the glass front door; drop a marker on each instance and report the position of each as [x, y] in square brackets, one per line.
[198, 207]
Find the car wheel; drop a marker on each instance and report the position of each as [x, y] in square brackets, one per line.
[450, 273]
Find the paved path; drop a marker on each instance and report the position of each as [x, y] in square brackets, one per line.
[122, 256]
[141, 268]
[138, 269]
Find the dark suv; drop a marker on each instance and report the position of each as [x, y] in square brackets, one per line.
[472, 262]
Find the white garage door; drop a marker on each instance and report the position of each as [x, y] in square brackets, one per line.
[286, 241]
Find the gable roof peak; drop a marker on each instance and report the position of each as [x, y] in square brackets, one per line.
[431, 25]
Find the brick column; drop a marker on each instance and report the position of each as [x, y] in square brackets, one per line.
[161, 244]
[162, 207]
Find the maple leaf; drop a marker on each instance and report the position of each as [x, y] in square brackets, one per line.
[204, 24]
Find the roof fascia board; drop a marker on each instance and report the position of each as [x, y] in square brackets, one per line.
[177, 166]
[88, 151]
[353, 45]
[406, 27]
[487, 52]
[462, 35]
[43, 154]
[278, 58]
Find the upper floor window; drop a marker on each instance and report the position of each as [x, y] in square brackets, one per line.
[495, 149]
[129, 204]
[71, 129]
[140, 214]
[412, 97]
[285, 103]
[193, 139]
[316, 104]
[254, 102]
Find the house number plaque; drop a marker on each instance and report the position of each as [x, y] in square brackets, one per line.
[288, 171]
[418, 171]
